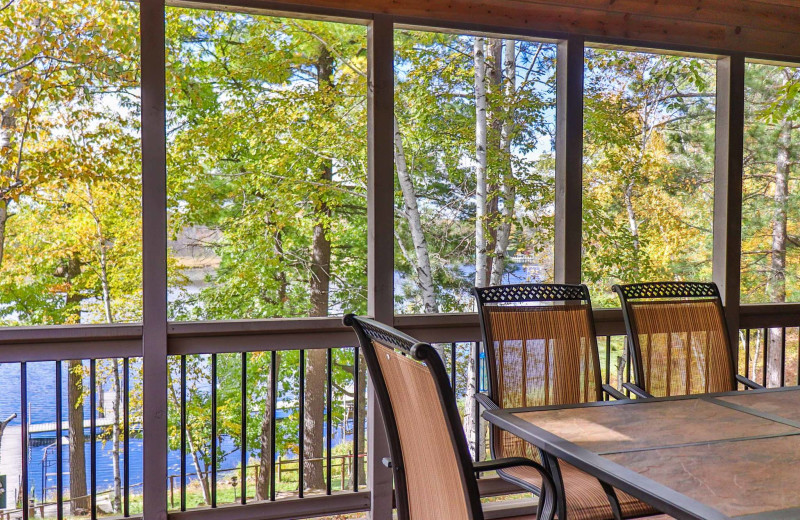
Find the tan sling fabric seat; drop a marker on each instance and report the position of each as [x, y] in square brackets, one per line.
[433, 473]
[433, 477]
[683, 347]
[584, 496]
[679, 338]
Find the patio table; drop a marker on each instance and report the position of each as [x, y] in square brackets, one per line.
[701, 457]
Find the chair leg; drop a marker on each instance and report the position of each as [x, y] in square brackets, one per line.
[547, 506]
[616, 510]
[551, 464]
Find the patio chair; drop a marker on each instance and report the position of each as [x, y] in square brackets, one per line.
[679, 339]
[541, 349]
[434, 476]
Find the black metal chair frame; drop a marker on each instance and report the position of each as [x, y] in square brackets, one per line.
[536, 293]
[369, 330]
[669, 290]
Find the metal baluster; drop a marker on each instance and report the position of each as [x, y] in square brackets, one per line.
[213, 430]
[356, 423]
[764, 356]
[783, 356]
[243, 473]
[273, 367]
[93, 436]
[126, 427]
[302, 426]
[453, 366]
[328, 422]
[476, 410]
[608, 363]
[747, 353]
[626, 357]
[23, 396]
[59, 456]
[183, 433]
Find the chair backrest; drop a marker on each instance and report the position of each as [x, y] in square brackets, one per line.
[679, 337]
[430, 459]
[541, 349]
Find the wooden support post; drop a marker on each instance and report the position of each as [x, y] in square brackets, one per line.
[728, 166]
[569, 161]
[380, 251]
[154, 258]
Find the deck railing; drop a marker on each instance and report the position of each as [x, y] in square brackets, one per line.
[769, 337]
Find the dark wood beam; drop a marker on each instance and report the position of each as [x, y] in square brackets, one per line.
[569, 161]
[154, 258]
[380, 218]
[728, 165]
[766, 28]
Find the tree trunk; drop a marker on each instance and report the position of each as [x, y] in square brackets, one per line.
[102, 250]
[116, 435]
[633, 224]
[282, 281]
[313, 438]
[319, 288]
[509, 191]
[621, 362]
[105, 285]
[481, 245]
[77, 440]
[421, 257]
[756, 354]
[471, 419]
[203, 475]
[3, 220]
[3, 425]
[8, 123]
[494, 146]
[320, 261]
[267, 455]
[75, 393]
[776, 283]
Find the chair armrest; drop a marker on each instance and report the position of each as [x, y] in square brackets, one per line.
[748, 382]
[485, 401]
[508, 462]
[547, 501]
[613, 392]
[635, 390]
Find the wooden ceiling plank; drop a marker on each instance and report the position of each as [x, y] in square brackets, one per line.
[554, 18]
[735, 13]
[592, 24]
